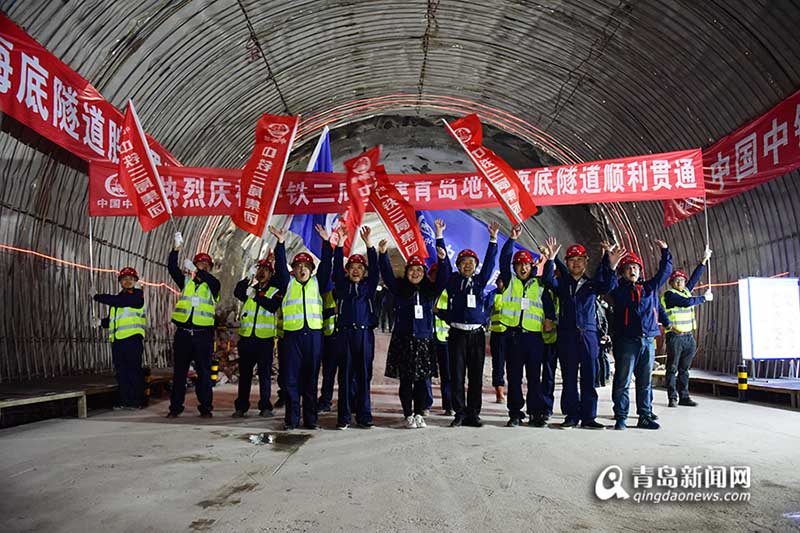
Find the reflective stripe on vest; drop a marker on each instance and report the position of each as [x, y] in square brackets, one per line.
[328, 314]
[302, 304]
[439, 325]
[550, 337]
[496, 326]
[124, 322]
[682, 318]
[203, 313]
[512, 308]
[257, 320]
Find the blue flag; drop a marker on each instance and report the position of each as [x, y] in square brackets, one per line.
[463, 231]
[303, 225]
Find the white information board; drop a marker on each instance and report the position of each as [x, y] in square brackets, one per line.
[770, 316]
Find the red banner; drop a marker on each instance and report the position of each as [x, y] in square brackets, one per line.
[263, 174]
[197, 191]
[138, 174]
[40, 91]
[765, 149]
[398, 216]
[502, 180]
[360, 182]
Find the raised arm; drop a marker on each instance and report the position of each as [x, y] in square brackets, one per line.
[664, 268]
[240, 291]
[281, 277]
[174, 270]
[695, 277]
[387, 274]
[491, 254]
[506, 254]
[372, 261]
[324, 270]
[443, 273]
[551, 248]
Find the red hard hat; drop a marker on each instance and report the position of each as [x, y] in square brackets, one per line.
[415, 260]
[303, 257]
[356, 259]
[467, 253]
[630, 259]
[576, 250]
[523, 256]
[266, 263]
[203, 257]
[128, 271]
[678, 274]
[433, 269]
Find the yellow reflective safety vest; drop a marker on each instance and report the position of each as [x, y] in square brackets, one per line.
[682, 318]
[197, 301]
[496, 326]
[257, 321]
[550, 337]
[523, 302]
[328, 314]
[440, 326]
[124, 322]
[302, 304]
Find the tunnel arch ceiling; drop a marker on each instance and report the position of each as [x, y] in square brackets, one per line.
[583, 80]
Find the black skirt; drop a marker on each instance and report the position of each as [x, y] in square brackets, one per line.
[410, 358]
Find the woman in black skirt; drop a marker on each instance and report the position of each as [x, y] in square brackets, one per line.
[412, 354]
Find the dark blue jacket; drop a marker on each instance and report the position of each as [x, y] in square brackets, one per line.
[676, 300]
[577, 305]
[406, 296]
[636, 304]
[200, 277]
[125, 298]
[355, 300]
[663, 317]
[458, 287]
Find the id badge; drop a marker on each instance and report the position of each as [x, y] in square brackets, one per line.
[195, 301]
[418, 312]
[525, 303]
[471, 301]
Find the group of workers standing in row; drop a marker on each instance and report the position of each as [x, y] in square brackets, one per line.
[323, 315]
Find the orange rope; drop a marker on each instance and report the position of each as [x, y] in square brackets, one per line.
[728, 284]
[78, 265]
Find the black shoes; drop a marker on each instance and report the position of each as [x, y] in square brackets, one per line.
[206, 414]
[568, 424]
[310, 426]
[647, 423]
[289, 427]
[537, 421]
[366, 425]
[238, 414]
[672, 403]
[592, 424]
[457, 422]
[172, 414]
[474, 422]
[512, 422]
[688, 402]
[266, 413]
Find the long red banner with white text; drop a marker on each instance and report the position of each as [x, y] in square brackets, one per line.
[765, 149]
[196, 191]
[42, 92]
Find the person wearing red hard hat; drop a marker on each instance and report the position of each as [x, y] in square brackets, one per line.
[355, 284]
[577, 340]
[466, 341]
[302, 312]
[679, 305]
[126, 324]
[522, 312]
[634, 329]
[194, 337]
[257, 333]
[412, 354]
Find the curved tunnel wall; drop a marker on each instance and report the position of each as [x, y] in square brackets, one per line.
[579, 80]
